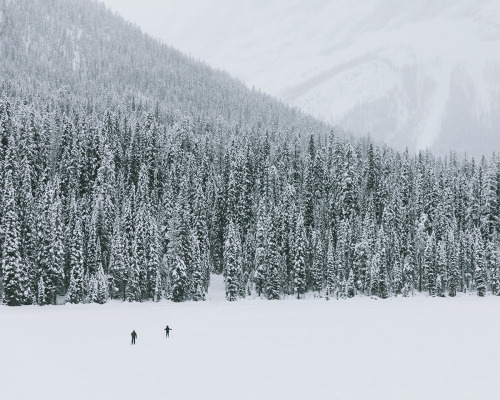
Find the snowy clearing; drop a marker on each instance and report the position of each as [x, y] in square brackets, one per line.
[416, 348]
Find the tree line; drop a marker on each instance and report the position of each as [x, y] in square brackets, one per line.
[123, 204]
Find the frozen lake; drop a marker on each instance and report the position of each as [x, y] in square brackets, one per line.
[413, 348]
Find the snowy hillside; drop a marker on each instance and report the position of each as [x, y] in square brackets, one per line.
[418, 74]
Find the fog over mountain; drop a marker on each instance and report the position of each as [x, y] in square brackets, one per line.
[420, 74]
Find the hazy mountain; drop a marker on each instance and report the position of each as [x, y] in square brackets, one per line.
[417, 74]
[76, 51]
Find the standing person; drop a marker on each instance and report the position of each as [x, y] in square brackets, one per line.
[167, 330]
[134, 335]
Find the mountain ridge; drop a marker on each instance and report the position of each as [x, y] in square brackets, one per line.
[421, 75]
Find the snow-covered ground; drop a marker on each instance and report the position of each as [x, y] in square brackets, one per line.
[414, 348]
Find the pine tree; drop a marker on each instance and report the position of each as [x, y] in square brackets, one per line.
[198, 285]
[118, 261]
[299, 259]
[98, 286]
[441, 263]
[232, 262]
[76, 290]
[453, 277]
[16, 283]
[350, 287]
[154, 260]
[261, 247]
[178, 280]
[317, 264]
[495, 261]
[331, 275]
[51, 256]
[363, 254]
[42, 300]
[274, 266]
[480, 278]
[430, 265]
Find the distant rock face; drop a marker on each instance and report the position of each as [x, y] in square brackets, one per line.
[413, 74]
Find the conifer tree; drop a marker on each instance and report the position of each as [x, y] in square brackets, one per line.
[478, 262]
[232, 262]
[274, 266]
[118, 261]
[299, 259]
[453, 276]
[16, 283]
[261, 247]
[198, 277]
[178, 280]
[76, 289]
[441, 268]
[331, 276]
[350, 287]
[363, 253]
[430, 265]
[383, 290]
[154, 260]
[317, 264]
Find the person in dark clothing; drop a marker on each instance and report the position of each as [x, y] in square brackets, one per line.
[167, 330]
[134, 335]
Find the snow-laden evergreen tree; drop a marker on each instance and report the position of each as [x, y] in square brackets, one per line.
[342, 249]
[317, 263]
[363, 253]
[495, 266]
[97, 291]
[299, 259]
[261, 248]
[118, 261]
[429, 265]
[133, 287]
[16, 284]
[350, 287]
[397, 278]
[331, 274]
[274, 265]
[478, 262]
[383, 289]
[178, 280]
[154, 260]
[374, 277]
[178, 273]
[441, 268]
[51, 252]
[454, 273]
[76, 289]
[198, 291]
[41, 299]
[232, 262]
[104, 207]
[142, 221]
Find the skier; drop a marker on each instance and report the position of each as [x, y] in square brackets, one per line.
[134, 335]
[167, 330]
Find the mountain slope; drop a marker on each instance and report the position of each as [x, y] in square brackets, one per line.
[79, 50]
[414, 74]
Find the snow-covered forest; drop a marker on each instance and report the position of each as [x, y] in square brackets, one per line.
[130, 171]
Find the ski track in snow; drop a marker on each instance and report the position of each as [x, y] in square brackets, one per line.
[413, 348]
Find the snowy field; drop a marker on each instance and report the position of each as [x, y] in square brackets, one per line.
[416, 348]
